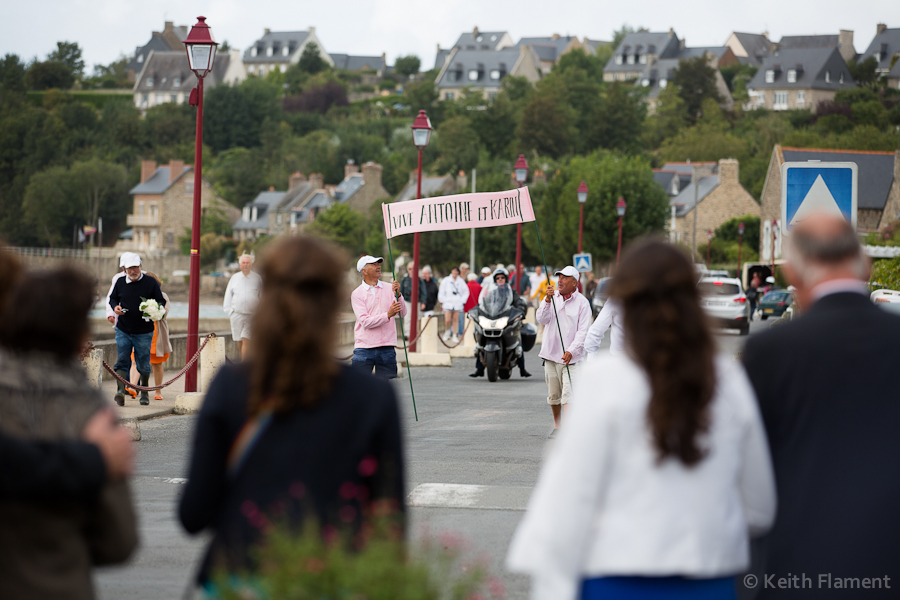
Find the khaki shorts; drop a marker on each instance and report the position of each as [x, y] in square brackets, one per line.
[240, 326]
[559, 390]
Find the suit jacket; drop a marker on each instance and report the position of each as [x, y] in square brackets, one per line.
[826, 385]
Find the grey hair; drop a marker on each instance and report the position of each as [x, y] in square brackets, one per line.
[813, 256]
[426, 268]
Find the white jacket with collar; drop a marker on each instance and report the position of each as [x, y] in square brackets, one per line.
[453, 294]
[603, 506]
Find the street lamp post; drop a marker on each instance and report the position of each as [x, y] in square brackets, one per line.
[740, 245]
[774, 226]
[521, 176]
[582, 198]
[709, 237]
[620, 210]
[421, 129]
[201, 52]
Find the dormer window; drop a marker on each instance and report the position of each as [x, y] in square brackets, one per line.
[140, 58]
[163, 80]
[493, 38]
[150, 81]
[254, 213]
[642, 58]
[285, 51]
[770, 76]
[630, 59]
[270, 51]
[177, 81]
[479, 38]
[245, 214]
[675, 189]
[792, 76]
[473, 74]
[842, 78]
[645, 82]
[663, 83]
[618, 59]
[253, 51]
[827, 76]
[495, 74]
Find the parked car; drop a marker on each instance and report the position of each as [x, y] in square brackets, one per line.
[601, 294]
[775, 303]
[887, 299]
[725, 302]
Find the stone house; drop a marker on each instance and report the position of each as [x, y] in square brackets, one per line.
[474, 40]
[439, 185]
[255, 217]
[167, 77]
[878, 196]
[720, 198]
[163, 206]
[281, 49]
[673, 177]
[361, 190]
[550, 49]
[750, 48]
[170, 39]
[639, 49]
[659, 72]
[484, 70]
[796, 79]
[884, 46]
[843, 42]
[300, 191]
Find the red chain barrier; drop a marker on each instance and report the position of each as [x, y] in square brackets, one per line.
[461, 340]
[409, 343]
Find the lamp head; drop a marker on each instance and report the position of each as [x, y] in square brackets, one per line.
[421, 129]
[201, 48]
[620, 207]
[582, 192]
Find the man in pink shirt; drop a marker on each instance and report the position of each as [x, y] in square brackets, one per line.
[574, 312]
[375, 304]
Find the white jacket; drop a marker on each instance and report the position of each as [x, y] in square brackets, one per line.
[453, 294]
[242, 293]
[603, 506]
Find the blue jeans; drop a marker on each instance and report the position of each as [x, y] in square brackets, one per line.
[140, 342]
[658, 588]
[383, 358]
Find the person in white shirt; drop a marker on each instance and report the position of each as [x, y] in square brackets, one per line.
[452, 295]
[610, 316]
[241, 298]
[663, 472]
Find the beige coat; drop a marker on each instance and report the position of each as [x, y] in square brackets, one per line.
[163, 345]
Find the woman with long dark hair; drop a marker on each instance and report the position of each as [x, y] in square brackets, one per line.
[287, 435]
[664, 471]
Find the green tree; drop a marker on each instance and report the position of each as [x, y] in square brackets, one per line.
[864, 72]
[233, 115]
[668, 119]
[69, 54]
[422, 95]
[407, 65]
[458, 145]
[619, 34]
[619, 119]
[495, 126]
[342, 225]
[696, 82]
[548, 123]
[12, 74]
[311, 60]
[708, 140]
[49, 74]
[113, 75]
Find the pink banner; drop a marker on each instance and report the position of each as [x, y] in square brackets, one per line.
[459, 211]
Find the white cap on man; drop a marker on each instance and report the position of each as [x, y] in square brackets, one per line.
[129, 259]
[367, 260]
[569, 271]
[485, 270]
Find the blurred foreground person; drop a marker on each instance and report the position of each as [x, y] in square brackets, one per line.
[832, 428]
[291, 434]
[662, 469]
[48, 549]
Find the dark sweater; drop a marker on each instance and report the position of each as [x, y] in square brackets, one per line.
[130, 296]
[298, 467]
[40, 471]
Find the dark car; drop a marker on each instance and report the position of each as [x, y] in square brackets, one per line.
[775, 303]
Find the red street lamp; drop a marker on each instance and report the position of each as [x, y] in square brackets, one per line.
[582, 198]
[421, 129]
[740, 244]
[709, 237]
[620, 210]
[521, 169]
[201, 53]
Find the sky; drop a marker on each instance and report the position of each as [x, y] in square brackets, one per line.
[106, 29]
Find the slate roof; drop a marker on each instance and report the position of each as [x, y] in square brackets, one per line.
[485, 40]
[431, 186]
[665, 177]
[685, 167]
[349, 186]
[263, 202]
[358, 63]
[664, 68]
[547, 48]
[481, 61]
[684, 202]
[316, 201]
[663, 45]
[277, 40]
[888, 41]
[814, 62]
[594, 44]
[876, 171]
[292, 197]
[757, 46]
[169, 68]
[792, 42]
[716, 51]
[159, 181]
[160, 41]
[441, 56]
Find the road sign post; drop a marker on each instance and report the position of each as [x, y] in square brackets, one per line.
[811, 187]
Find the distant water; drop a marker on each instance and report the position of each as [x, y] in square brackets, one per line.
[178, 310]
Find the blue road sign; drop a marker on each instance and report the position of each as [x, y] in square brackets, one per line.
[811, 187]
[582, 262]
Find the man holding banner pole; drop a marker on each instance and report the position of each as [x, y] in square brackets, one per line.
[375, 305]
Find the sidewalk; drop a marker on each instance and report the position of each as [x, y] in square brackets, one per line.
[157, 408]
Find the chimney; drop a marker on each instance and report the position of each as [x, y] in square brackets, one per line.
[271, 188]
[350, 168]
[372, 174]
[475, 31]
[296, 179]
[148, 168]
[175, 169]
[671, 32]
[845, 39]
[879, 29]
[539, 178]
[266, 31]
[728, 171]
[170, 25]
[765, 34]
[316, 181]
[555, 36]
[682, 43]
[461, 181]
[312, 31]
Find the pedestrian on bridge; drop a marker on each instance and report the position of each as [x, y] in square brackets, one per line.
[610, 316]
[452, 295]
[241, 298]
[375, 305]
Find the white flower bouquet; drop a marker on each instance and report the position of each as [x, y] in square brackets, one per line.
[151, 310]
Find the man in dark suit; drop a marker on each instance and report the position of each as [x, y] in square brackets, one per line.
[828, 397]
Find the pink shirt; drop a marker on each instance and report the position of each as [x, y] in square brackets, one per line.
[574, 320]
[370, 305]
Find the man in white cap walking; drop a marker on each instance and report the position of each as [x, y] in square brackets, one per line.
[375, 305]
[562, 353]
[241, 298]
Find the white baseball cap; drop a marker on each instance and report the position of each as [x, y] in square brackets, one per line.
[129, 259]
[367, 260]
[569, 271]
[485, 270]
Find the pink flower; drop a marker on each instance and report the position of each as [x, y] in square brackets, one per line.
[348, 490]
[495, 586]
[368, 466]
[248, 509]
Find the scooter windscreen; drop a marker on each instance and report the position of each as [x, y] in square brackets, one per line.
[497, 301]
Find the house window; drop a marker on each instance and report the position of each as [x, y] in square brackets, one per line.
[150, 81]
[154, 210]
[801, 98]
[177, 81]
[140, 58]
[448, 96]
[473, 74]
[630, 59]
[270, 51]
[170, 238]
[618, 59]
[278, 219]
[827, 76]
[253, 51]
[262, 70]
[645, 82]
[140, 208]
[663, 83]
[254, 213]
[495, 74]
[152, 239]
[245, 214]
[144, 99]
[173, 98]
[841, 80]
[781, 101]
[770, 76]
[283, 68]
[792, 75]
[492, 95]
[642, 58]
[189, 186]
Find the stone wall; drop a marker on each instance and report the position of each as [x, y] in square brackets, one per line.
[892, 206]
[770, 202]
[161, 264]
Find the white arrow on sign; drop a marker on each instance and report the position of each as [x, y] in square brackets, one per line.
[817, 200]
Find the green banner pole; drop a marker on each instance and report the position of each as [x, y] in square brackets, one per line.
[553, 304]
[403, 336]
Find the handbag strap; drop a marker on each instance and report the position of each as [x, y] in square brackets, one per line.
[246, 438]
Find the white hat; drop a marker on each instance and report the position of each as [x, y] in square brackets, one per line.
[129, 259]
[569, 271]
[485, 270]
[367, 260]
